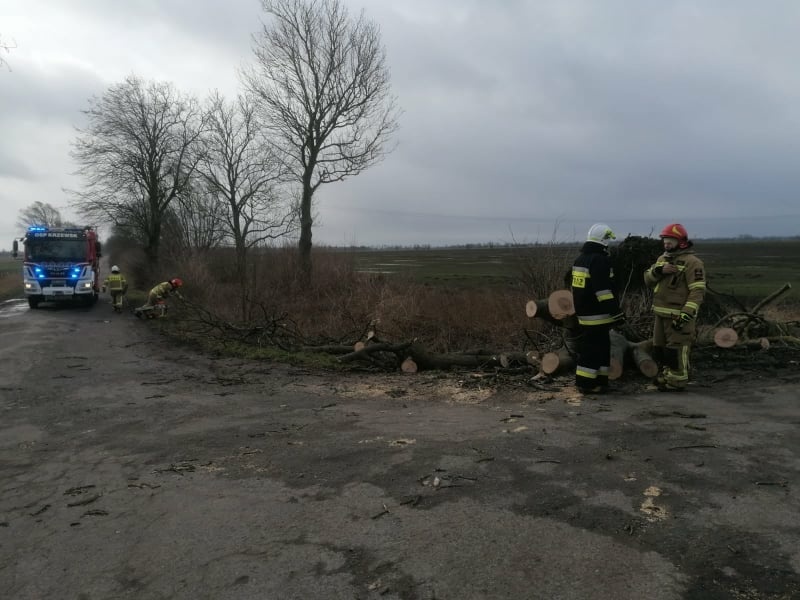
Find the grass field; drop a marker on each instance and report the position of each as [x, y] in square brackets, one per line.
[745, 269]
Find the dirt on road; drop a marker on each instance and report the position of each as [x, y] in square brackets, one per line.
[131, 468]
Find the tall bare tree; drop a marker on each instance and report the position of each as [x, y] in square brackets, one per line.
[40, 213]
[323, 85]
[239, 167]
[137, 156]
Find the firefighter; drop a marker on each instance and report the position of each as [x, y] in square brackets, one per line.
[679, 285]
[597, 308]
[117, 287]
[159, 293]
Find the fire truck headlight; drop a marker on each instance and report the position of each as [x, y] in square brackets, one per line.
[28, 286]
[87, 285]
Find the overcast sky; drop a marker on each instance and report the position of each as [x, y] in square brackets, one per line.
[524, 120]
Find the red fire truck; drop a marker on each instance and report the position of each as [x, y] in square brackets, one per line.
[60, 263]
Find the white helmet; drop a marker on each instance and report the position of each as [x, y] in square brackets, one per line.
[115, 269]
[600, 233]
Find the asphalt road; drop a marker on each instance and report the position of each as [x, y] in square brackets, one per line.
[133, 469]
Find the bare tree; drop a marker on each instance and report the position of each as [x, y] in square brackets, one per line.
[40, 213]
[239, 168]
[323, 85]
[194, 222]
[137, 156]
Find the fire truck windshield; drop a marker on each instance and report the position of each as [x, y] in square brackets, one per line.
[48, 250]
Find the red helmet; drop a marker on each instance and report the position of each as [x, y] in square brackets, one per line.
[677, 231]
[176, 283]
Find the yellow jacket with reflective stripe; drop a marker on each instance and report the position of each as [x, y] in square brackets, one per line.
[115, 282]
[674, 293]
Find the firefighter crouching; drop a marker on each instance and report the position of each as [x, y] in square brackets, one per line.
[158, 294]
[117, 286]
[679, 286]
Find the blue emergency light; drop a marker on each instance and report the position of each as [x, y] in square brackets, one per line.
[37, 228]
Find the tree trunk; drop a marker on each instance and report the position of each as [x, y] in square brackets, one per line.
[304, 245]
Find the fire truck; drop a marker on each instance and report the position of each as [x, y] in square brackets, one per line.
[60, 264]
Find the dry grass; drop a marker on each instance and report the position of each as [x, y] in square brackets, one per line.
[340, 305]
[10, 285]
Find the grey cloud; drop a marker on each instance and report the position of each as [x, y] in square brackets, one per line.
[524, 113]
[12, 167]
[31, 93]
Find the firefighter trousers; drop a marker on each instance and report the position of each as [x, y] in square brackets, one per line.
[671, 350]
[594, 358]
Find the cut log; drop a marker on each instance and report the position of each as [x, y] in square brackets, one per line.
[560, 304]
[541, 309]
[408, 365]
[555, 362]
[537, 308]
[640, 352]
[358, 346]
[619, 346]
[726, 337]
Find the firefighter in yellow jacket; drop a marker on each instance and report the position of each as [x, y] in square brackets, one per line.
[679, 284]
[117, 286]
[159, 292]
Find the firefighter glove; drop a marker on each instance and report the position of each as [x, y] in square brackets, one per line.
[680, 321]
[658, 271]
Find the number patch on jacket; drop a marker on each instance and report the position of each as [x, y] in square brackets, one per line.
[578, 280]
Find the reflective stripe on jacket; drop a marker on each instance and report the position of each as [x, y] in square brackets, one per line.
[115, 282]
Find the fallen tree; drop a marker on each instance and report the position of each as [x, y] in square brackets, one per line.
[555, 355]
